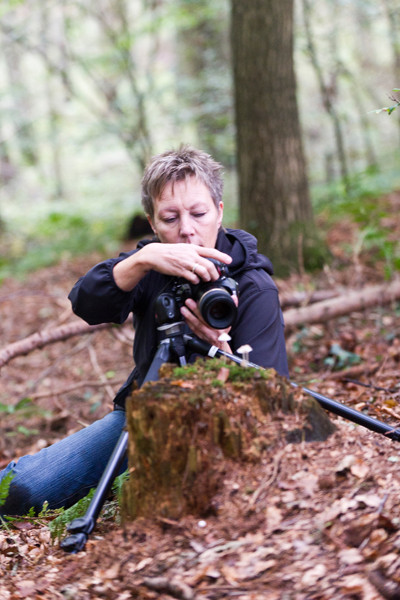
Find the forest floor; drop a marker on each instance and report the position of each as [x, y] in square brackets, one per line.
[311, 520]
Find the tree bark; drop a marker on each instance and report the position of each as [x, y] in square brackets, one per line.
[274, 196]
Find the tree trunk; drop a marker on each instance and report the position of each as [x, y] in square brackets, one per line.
[327, 89]
[47, 27]
[21, 115]
[203, 81]
[274, 197]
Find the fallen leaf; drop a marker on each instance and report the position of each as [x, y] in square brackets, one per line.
[360, 469]
[313, 575]
[350, 556]
[371, 500]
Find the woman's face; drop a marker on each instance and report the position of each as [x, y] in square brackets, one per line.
[186, 213]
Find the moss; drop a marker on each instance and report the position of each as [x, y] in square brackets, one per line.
[210, 367]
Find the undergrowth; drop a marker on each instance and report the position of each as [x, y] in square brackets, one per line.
[362, 199]
[57, 236]
[58, 519]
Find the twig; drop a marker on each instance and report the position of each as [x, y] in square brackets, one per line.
[124, 335]
[174, 588]
[378, 388]
[390, 412]
[352, 372]
[265, 483]
[96, 366]
[72, 388]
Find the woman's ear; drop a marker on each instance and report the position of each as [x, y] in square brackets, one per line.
[151, 224]
[220, 213]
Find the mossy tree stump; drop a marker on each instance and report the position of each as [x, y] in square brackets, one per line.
[185, 426]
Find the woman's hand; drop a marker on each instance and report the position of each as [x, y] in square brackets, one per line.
[178, 260]
[199, 327]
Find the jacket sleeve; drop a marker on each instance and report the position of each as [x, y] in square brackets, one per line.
[260, 324]
[96, 298]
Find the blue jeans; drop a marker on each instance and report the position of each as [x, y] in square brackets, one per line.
[64, 472]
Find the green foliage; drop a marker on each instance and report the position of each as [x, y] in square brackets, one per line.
[118, 485]
[24, 408]
[58, 235]
[5, 487]
[58, 519]
[389, 109]
[64, 516]
[21, 406]
[363, 203]
[339, 358]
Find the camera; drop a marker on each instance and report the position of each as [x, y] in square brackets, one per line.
[214, 299]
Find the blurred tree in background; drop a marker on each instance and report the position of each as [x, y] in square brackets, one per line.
[274, 197]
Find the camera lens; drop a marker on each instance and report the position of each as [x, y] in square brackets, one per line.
[217, 308]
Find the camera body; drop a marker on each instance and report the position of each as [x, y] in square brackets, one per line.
[214, 299]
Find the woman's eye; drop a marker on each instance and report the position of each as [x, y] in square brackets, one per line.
[199, 214]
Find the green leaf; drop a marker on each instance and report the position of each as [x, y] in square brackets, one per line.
[5, 487]
[340, 358]
[58, 525]
[25, 431]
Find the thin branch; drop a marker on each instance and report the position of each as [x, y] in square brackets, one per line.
[73, 388]
[48, 336]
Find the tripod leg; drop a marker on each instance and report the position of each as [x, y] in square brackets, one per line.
[172, 347]
[162, 356]
[81, 527]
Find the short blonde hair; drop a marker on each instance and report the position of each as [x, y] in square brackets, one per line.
[176, 165]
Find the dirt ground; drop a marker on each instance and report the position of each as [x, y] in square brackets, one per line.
[308, 520]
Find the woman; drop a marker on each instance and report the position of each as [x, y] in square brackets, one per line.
[182, 197]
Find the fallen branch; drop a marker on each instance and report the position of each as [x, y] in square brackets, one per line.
[306, 298]
[320, 312]
[47, 336]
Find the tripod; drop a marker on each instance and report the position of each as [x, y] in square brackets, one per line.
[171, 349]
[174, 348]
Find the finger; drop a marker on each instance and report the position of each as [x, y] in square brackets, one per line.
[214, 253]
[204, 270]
[192, 306]
[197, 324]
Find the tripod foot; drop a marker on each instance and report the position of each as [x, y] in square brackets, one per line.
[79, 529]
[74, 543]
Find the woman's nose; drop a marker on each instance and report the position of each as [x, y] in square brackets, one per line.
[186, 226]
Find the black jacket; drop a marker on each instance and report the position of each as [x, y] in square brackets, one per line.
[259, 322]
